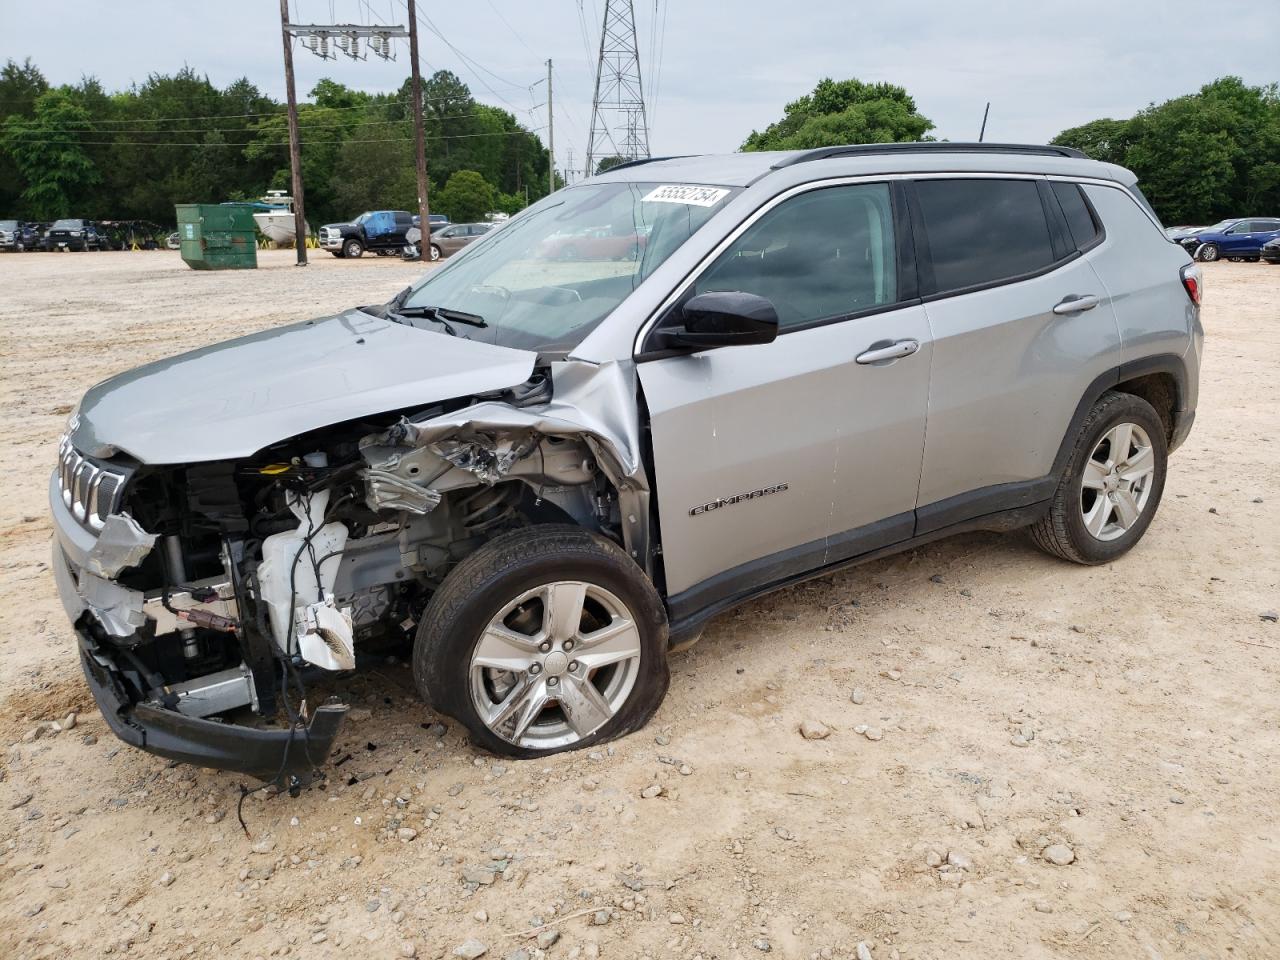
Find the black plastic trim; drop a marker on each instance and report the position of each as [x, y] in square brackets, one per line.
[687, 619]
[980, 503]
[263, 754]
[872, 149]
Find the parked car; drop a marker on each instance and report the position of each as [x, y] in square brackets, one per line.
[1239, 239]
[73, 234]
[31, 236]
[1270, 251]
[13, 235]
[544, 479]
[611, 242]
[445, 241]
[376, 230]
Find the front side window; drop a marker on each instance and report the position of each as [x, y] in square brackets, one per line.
[822, 255]
[983, 230]
[547, 278]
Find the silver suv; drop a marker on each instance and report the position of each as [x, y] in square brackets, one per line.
[544, 470]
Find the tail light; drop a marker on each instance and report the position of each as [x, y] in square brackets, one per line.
[1193, 282]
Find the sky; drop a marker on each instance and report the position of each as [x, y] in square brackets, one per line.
[713, 71]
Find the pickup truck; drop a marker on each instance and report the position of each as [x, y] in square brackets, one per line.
[382, 231]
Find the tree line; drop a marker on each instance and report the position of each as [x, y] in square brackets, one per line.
[1199, 158]
[78, 150]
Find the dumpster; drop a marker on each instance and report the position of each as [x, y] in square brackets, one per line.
[217, 236]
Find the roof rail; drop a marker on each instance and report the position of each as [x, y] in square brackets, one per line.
[930, 146]
[642, 160]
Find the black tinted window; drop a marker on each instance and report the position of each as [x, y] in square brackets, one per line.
[1079, 219]
[827, 253]
[983, 230]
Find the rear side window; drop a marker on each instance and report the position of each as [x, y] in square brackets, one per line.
[1079, 220]
[818, 256]
[983, 231]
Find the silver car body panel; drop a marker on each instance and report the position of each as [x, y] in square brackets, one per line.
[232, 399]
[1007, 376]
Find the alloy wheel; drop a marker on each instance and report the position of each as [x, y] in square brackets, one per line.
[555, 665]
[1117, 481]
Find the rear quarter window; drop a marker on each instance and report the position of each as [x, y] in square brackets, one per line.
[983, 231]
[1084, 229]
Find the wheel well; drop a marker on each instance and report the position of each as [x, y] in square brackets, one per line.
[1158, 389]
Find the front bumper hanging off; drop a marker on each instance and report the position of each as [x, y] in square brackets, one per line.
[288, 756]
[284, 755]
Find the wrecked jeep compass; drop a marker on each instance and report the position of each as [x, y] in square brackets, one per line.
[546, 471]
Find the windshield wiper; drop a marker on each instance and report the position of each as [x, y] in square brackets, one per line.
[443, 313]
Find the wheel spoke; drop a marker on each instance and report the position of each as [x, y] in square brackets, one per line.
[614, 643]
[1096, 519]
[1126, 509]
[1121, 437]
[585, 709]
[562, 609]
[1141, 464]
[503, 649]
[1094, 474]
[512, 717]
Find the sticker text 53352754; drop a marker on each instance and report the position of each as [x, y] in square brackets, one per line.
[683, 193]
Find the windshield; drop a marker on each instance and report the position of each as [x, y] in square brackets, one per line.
[8, 224]
[546, 279]
[66, 225]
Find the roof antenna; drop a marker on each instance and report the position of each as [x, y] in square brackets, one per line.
[983, 132]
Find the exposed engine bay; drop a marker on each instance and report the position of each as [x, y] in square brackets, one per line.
[215, 589]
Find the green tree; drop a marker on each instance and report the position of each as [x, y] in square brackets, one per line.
[844, 111]
[47, 152]
[20, 86]
[1200, 157]
[465, 198]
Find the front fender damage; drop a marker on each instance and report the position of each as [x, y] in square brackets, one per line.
[490, 440]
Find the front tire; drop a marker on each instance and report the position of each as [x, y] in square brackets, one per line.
[1111, 488]
[435, 253]
[547, 638]
[1209, 252]
[353, 249]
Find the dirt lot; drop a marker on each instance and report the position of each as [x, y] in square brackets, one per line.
[1130, 714]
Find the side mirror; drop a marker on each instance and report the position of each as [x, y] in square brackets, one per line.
[727, 319]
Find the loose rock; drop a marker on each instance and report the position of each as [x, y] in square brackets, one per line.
[858, 696]
[814, 730]
[470, 949]
[1059, 854]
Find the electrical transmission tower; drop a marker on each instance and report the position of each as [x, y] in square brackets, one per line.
[619, 125]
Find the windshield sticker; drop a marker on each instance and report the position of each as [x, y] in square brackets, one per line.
[693, 196]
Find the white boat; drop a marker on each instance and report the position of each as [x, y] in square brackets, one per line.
[277, 223]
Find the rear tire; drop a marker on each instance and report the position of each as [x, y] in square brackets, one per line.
[1107, 496]
[495, 607]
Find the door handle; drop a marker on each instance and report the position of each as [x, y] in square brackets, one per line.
[1075, 303]
[881, 352]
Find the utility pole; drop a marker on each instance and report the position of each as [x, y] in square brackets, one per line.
[424, 208]
[295, 142]
[551, 136]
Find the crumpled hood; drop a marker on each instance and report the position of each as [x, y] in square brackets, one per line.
[234, 398]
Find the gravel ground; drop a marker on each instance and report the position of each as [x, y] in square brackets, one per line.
[1012, 756]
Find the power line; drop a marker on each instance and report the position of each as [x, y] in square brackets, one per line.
[63, 141]
[309, 123]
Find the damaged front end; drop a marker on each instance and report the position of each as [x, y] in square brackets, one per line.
[207, 597]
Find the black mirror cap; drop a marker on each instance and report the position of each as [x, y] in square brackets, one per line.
[725, 319]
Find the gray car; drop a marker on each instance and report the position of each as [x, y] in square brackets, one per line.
[445, 240]
[542, 475]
